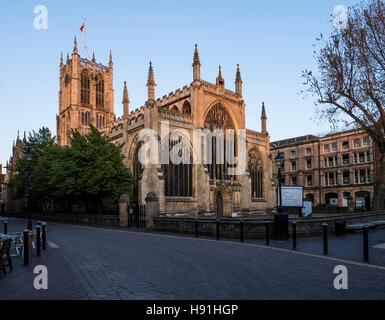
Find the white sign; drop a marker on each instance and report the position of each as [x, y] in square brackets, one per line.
[307, 208]
[291, 196]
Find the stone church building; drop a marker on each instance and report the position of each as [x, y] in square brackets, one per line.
[86, 97]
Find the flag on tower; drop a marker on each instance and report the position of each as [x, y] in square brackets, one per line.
[83, 25]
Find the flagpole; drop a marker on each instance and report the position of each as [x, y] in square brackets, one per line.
[85, 38]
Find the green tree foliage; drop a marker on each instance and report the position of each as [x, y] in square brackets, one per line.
[90, 171]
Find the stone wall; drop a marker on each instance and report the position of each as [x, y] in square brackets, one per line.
[255, 228]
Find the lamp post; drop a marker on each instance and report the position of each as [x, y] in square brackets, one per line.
[28, 158]
[281, 218]
[278, 160]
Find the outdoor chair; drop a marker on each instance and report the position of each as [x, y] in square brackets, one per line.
[5, 256]
[17, 242]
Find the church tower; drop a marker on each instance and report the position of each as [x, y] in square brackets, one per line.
[86, 96]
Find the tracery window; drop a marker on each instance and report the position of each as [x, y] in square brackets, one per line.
[100, 92]
[255, 167]
[219, 118]
[85, 88]
[178, 177]
[137, 173]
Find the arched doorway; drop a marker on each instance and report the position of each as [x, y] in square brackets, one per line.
[219, 204]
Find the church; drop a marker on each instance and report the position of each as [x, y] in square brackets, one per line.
[86, 97]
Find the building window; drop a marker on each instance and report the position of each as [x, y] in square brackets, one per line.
[293, 154]
[336, 161]
[100, 93]
[308, 152]
[256, 173]
[309, 181]
[186, 108]
[362, 176]
[368, 156]
[345, 159]
[308, 163]
[330, 161]
[293, 181]
[345, 177]
[345, 145]
[362, 157]
[366, 141]
[334, 146]
[326, 148]
[178, 177]
[325, 163]
[85, 88]
[357, 143]
[355, 157]
[368, 175]
[326, 179]
[293, 166]
[331, 179]
[219, 118]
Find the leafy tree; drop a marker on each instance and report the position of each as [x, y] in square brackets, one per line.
[89, 171]
[350, 82]
[38, 142]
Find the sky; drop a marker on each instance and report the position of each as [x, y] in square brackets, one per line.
[271, 40]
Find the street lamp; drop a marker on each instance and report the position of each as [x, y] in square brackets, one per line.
[278, 160]
[281, 218]
[28, 158]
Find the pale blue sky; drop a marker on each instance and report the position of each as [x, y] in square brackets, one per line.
[271, 40]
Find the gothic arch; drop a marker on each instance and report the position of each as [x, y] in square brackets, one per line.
[226, 107]
[178, 178]
[256, 169]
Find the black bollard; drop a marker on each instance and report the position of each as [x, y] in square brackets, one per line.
[217, 229]
[43, 235]
[196, 228]
[241, 229]
[38, 243]
[294, 235]
[267, 233]
[26, 248]
[325, 237]
[366, 243]
[5, 227]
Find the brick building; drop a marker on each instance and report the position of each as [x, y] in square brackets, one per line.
[331, 168]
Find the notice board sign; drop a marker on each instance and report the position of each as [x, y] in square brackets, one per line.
[291, 196]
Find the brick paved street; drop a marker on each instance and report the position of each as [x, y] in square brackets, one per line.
[113, 263]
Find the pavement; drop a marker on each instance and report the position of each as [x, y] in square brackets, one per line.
[98, 263]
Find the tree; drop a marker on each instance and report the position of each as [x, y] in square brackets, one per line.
[38, 142]
[91, 170]
[350, 82]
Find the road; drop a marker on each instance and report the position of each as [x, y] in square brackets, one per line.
[111, 263]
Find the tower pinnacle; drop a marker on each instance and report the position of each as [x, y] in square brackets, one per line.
[125, 101]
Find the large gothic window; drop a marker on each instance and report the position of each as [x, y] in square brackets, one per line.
[85, 88]
[100, 92]
[178, 177]
[137, 173]
[255, 167]
[219, 153]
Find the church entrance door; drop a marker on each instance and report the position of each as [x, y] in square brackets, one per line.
[219, 201]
